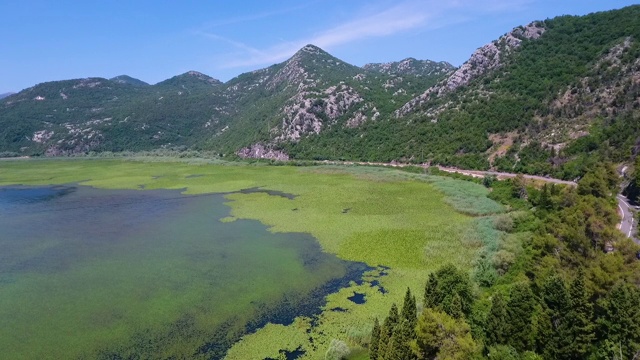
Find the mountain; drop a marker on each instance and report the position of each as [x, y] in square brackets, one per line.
[2, 96]
[310, 93]
[126, 79]
[550, 97]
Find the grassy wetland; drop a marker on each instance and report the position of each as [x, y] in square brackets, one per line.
[402, 225]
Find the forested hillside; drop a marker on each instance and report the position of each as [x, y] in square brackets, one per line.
[552, 97]
[557, 293]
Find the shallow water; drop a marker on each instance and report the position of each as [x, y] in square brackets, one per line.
[89, 273]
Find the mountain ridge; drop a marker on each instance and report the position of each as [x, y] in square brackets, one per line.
[517, 104]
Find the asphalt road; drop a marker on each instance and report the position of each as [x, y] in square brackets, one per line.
[627, 225]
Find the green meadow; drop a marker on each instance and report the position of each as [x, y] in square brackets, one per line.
[410, 223]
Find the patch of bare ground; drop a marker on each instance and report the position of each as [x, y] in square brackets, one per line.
[502, 142]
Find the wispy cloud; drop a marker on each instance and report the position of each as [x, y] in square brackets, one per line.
[253, 17]
[405, 16]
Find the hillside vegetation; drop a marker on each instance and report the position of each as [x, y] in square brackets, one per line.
[551, 97]
[561, 296]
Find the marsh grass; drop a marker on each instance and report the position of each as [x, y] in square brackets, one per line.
[412, 223]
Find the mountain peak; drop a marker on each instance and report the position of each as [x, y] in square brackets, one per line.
[191, 77]
[311, 51]
[126, 79]
[200, 76]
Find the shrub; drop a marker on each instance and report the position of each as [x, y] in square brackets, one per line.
[338, 350]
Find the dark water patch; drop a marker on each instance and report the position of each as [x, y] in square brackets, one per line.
[254, 190]
[290, 355]
[357, 298]
[381, 289]
[21, 195]
[294, 305]
[382, 270]
[339, 309]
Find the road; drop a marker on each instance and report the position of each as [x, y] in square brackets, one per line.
[504, 175]
[627, 223]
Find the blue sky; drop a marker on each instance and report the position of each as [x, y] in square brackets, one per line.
[45, 40]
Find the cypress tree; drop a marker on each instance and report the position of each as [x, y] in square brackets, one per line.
[400, 348]
[392, 320]
[496, 327]
[375, 340]
[519, 313]
[552, 325]
[383, 344]
[409, 309]
[580, 329]
[386, 332]
[430, 290]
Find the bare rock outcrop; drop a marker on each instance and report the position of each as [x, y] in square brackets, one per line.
[262, 151]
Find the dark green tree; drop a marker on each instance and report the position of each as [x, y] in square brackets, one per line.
[392, 320]
[401, 340]
[619, 324]
[580, 329]
[430, 290]
[442, 287]
[375, 340]
[496, 326]
[409, 309]
[455, 309]
[519, 315]
[552, 325]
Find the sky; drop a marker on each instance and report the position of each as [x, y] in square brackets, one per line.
[44, 40]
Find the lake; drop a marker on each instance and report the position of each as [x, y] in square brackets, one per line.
[111, 274]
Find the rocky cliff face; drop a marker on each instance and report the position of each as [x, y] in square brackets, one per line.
[262, 151]
[316, 101]
[485, 59]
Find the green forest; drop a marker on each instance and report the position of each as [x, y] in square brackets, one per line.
[563, 297]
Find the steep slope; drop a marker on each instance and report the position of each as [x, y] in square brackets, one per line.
[311, 93]
[545, 98]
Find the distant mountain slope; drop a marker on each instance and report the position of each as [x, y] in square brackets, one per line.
[126, 79]
[411, 66]
[2, 96]
[310, 93]
[551, 97]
